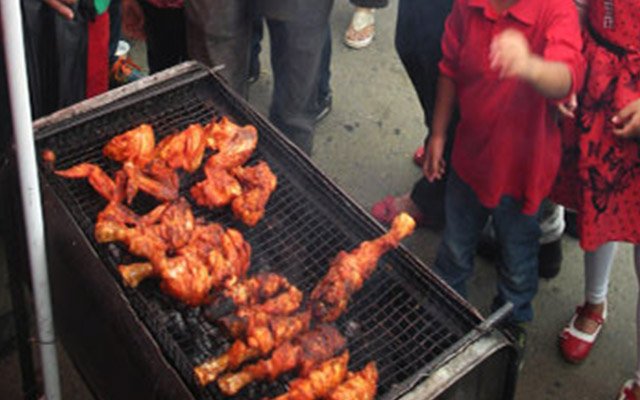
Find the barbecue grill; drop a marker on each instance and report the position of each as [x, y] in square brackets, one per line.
[140, 343]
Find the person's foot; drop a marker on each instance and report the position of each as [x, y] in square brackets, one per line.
[388, 208]
[550, 259]
[629, 391]
[578, 338]
[361, 30]
[324, 108]
[419, 156]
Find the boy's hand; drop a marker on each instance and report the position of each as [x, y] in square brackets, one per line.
[568, 109]
[627, 121]
[62, 7]
[434, 165]
[510, 55]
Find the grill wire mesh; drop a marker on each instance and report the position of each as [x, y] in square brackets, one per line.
[400, 318]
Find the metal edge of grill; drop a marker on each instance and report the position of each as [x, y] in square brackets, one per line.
[352, 217]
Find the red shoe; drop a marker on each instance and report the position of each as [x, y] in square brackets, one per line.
[575, 345]
[626, 391]
[385, 211]
[419, 156]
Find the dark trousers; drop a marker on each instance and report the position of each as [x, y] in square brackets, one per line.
[166, 36]
[219, 33]
[419, 29]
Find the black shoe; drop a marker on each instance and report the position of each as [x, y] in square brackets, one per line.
[324, 107]
[571, 223]
[549, 259]
[518, 335]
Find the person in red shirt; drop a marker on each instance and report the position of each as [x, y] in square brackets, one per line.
[600, 174]
[506, 63]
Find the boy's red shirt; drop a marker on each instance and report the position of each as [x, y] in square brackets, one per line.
[507, 141]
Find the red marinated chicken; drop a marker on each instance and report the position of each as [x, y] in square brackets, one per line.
[361, 385]
[320, 381]
[303, 352]
[348, 271]
[259, 342]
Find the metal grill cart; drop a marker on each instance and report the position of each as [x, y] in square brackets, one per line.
[139, 343]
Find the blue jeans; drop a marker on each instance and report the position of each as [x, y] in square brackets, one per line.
[517, 234]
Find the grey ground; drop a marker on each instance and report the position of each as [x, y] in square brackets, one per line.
[365, 145]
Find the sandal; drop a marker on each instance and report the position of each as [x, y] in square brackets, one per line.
[626, 391]
[419, 156]
[385, 211]
[362, 28]
[575, 345]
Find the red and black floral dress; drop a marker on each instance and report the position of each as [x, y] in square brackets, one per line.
[600, 173]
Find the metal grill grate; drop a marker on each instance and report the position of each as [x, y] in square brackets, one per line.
[402, 318]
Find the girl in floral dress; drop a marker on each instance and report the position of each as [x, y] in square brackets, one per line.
[600, 176]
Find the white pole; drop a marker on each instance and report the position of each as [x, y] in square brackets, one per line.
[30, 189]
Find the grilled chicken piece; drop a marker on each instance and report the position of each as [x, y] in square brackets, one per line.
[254, 290]
[217, 190]
[361, 385]
[348, 271]
[204, 263]
[234, 143]
[320, 381]
[302, 352]
[258, 182]
[183, 149]
[136, 146]
[98, 179]
[155, 178]
[243, 321]
[260, 341]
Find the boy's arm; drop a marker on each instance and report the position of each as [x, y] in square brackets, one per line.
[434, 165]
[510, 54]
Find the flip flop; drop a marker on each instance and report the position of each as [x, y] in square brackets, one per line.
[361, 30]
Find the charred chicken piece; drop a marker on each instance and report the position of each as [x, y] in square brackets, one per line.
[348, 271]
[302, 352]
[254, 290]
[258, 182]
[183, 149]
[260, 342]
[245, 318]
[136, 145]
[361, 385]
[320, 381]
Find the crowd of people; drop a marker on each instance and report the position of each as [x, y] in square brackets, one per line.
[531, 106]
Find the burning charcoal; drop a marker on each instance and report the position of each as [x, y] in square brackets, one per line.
[218, 308]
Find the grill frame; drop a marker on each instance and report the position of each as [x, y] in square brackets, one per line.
[353, 218]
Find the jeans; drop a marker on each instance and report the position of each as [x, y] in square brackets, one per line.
[517, 233]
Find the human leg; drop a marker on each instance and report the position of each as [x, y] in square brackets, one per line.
[166, 36]
[296, 58]
[219, 34]
[578, 337]
[465, 219]
[518, 235]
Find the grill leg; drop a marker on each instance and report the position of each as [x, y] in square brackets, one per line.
[17, 264]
